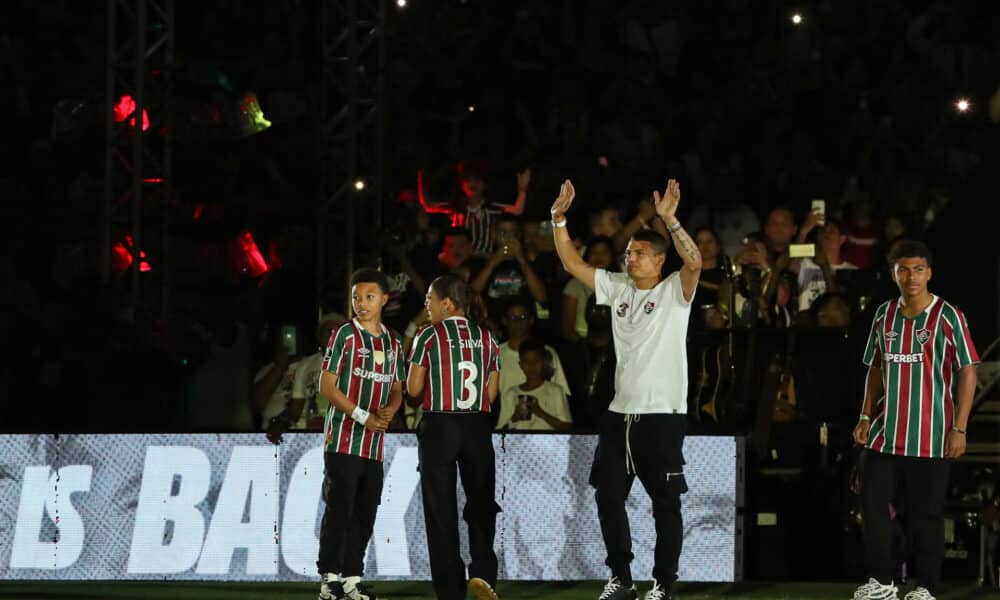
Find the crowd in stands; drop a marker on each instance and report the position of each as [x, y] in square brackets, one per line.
[489, 106]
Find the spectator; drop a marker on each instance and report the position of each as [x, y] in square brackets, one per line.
[752, 278]
[507, 272]
[729, 217]
[862, 233]
[272, 385]
[537, 404]
[779, 231]
[817, 275]
[712, 274]
[831, 310]
[592, 373]
[218, 390]
[605, 221]
[407, 287]
[306, 408]
[519, 321]
[474, 212]
[600, 253]
[457, 247]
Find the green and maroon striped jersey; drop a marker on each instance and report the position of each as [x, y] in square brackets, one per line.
[459, 356]
[366, 366]
[919, 359]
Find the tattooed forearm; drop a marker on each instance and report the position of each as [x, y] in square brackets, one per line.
[686, 248]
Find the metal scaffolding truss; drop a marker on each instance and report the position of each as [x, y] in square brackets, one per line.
[352, 150]
[137, 161]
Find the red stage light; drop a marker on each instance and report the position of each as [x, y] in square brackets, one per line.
[125, 107]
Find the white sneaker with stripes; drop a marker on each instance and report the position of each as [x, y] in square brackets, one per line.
[873, 590]
[657, 593]
[919, 593]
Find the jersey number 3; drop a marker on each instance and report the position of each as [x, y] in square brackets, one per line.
[469, 374]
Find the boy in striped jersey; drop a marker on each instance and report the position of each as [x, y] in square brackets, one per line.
[919, 350]
[453, 371]
[362, 378]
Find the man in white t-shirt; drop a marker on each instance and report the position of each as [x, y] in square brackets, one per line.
[642, 433]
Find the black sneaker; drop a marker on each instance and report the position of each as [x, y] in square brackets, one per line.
[614, 590]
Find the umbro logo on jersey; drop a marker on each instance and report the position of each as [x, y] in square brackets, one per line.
[363, 352]
[892, 335]
[622, 309]
[923, 335]
[648, 307]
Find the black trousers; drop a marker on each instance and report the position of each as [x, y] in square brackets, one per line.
[917, 487]
[649, 446]
[352, 491]
[447, 441]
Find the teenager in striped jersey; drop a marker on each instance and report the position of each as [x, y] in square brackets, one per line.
[453, 373]
[920, 354]
[362, 378]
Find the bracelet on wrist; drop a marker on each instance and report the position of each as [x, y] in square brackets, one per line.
[559, 223]
[360, 415]
[864, 418]
[674, 228]
[957, 430]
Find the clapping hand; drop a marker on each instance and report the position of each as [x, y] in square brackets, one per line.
[563, 202]
[666, 205]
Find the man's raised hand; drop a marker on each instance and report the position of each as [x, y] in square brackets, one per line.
[666, 205]
[563, 202]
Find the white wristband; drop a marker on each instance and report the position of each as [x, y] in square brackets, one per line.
[360, 415]
[559, 223]
[411, 330]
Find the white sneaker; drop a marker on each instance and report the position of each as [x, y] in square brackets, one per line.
[330, 587]
[354, 590]
[614, 590]
[919, 593]
[657, 593]
[873, 590]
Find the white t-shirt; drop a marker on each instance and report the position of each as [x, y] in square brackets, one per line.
[812, 285]
[575, 289]
[551, 398]
[281, 394]
[511, 373]
[307, 386]
[650, 333]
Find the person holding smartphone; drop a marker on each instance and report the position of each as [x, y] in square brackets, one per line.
[537, 404]
[508, 272]
[362, 379]
[454, 364]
